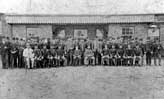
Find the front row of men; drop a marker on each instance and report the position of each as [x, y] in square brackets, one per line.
[52, 57]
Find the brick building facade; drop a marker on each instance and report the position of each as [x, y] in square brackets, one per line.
[49, 26]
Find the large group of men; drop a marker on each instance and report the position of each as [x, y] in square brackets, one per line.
[19, 53]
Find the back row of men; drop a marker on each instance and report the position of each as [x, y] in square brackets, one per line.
[19, 54]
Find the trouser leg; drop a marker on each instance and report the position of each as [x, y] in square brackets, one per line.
[32, 62]
[86, 61]
[159, 61]
[93, 60]
[155, 60]
[149, 60]
[3, 59]
[28, 62]
[142, 60]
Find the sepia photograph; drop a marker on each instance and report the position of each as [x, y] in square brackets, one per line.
[81, 49]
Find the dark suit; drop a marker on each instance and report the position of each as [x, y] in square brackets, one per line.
[5, 52]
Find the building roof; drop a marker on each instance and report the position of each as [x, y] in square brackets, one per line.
[78, 19]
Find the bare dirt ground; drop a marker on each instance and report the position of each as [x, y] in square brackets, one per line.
[83, 83]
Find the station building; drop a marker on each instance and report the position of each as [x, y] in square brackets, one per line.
[84, 26]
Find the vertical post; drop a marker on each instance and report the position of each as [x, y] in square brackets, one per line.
[11, 30]
[159, 34]
[26, 33]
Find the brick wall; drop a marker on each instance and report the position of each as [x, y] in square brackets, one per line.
[6, 29]
[140, 30]
[21, 31]
[69, 29]
[45, 31]
[1, 27]
[114, 30]
[162, 34]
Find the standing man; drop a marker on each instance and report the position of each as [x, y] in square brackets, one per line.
[143, 49]
[96, 51]
[148, 54]
[157, 50]
[20, 54]
[5, 52]
[14, 54]
[29, 56]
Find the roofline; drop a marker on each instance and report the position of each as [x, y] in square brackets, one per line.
[83, 14]
[79, 23]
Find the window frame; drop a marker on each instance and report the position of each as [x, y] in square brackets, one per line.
[127, 32]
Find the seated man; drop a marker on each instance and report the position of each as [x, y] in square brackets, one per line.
[45, 56]
[77, 56]
[89, 56]
[105, 56]
[40, 58]
[36, 56]
[137, 56]
[54, 55]
[112, 57]
[60, 56]
[120, 56]
[129, 56]
[50, 56]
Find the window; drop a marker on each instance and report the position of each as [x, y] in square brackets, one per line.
[99, 33]
[59, 32]
[127, 33]
[80, 33]
[33, 32]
